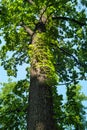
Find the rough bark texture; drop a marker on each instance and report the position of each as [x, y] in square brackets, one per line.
[40, 106]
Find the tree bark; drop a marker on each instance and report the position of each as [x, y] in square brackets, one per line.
[40, 110]
[40, 113]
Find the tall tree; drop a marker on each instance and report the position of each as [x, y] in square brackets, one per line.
[51, 37]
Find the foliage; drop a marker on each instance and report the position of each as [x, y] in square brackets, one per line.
[13, 105]
[74, 109]
[67, 38]
[61, 52]
[14, 102]
[58, 109]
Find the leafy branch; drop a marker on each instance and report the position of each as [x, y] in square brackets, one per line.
[76, 60]
[69, 19]
[63, 50]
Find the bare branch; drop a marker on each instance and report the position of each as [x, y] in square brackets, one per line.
[30, 32]
[69, 19]
[66, 83]
[30, 1]
[27, 29]
[43, 17]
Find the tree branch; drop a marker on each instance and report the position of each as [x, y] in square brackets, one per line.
[27, 29]
[60, 84]
[30, 1]
[69, 54]
[69, 19]
[43, 18]
[76, 60]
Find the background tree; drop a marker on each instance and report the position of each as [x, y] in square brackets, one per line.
[74, 109]
[13, 105]
[14, 101]
[51, 37]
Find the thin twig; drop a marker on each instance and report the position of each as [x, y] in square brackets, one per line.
[69, 54]
[76, 60]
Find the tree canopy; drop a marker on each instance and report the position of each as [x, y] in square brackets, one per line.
[66, 35]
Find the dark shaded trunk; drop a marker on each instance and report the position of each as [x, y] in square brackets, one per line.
[40, 106]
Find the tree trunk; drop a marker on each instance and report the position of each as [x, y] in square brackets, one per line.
[40, 111]
[40, 106]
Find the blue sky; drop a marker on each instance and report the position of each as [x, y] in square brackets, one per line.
[21, 74]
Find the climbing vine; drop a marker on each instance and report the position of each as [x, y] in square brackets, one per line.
[42, 59]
